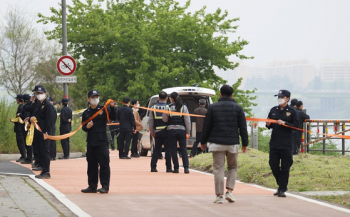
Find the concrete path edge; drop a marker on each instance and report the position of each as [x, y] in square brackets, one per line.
[289, 194]
[61, 197]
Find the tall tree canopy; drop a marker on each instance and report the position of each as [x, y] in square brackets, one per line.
[139, 47]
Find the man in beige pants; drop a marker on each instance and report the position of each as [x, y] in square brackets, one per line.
[223, 124]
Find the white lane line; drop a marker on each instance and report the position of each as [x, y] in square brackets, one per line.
[61, 197]
[289, 194]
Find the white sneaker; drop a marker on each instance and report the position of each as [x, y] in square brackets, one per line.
[229, 197]
[219, 200]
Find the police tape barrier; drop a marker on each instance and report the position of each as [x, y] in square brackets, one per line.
[317, 140]
[65, 136]
[60, 137]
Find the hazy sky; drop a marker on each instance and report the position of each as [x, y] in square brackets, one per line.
[276, 29]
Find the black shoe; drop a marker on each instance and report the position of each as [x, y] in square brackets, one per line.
[89, 190]
[122, 158]
[276, 193]
[103, 190]
[20, 159]
[26, 162]
[63, 158]
[127, 157]
[154, 170]
[169, 170]
[53, 158]
[176, 171]
[37, 169]
[43, 176]
[160, 157]
[186, 170]
[281, 194]
[135, 155]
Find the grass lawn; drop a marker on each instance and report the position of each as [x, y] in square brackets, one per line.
[342, 200]
[308, 173]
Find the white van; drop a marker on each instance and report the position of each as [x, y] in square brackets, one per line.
[190, 97]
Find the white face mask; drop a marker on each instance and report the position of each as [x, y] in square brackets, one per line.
[94, 101]
[281, 101]
[40, 96]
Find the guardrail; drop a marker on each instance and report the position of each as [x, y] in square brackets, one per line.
[339, 127]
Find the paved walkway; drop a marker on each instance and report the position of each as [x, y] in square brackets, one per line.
[135, 191]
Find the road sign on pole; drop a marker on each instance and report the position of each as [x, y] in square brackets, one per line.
[66, 79]
[66, 65]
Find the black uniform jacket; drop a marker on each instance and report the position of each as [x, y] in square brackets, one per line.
[126, 118]
[302, 117]
[26, 111]
[97, 134]
[282, 136]
[19, 126]
[66, 114]
[224, 122]
[46, 116]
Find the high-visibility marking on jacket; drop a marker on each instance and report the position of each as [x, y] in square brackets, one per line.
[159, 117]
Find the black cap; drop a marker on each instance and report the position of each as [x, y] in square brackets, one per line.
[93, 93]
[39, 88]
[26, 97]
[51, 99]
[64, 100]
[19, 97]
[283, 93]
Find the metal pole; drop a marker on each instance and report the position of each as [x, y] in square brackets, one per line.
[324, 141]
[343, 141]
[64, 41]
[308, 137]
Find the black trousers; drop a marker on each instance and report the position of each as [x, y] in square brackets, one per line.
[135, 139]
[114, 132]
[195, 144]
[161, 138]
[53, 148]
[280, 162]
[174, 137]
[21, 144]
[297, 141]
[44, 153]
[36, 148]
[28, 148]
[65, 144]
[124, 140]
[98, 156]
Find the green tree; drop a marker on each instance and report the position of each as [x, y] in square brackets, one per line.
[139, 47]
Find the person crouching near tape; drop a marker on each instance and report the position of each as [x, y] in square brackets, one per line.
[281, 143]
[97, 154]
[179, 128]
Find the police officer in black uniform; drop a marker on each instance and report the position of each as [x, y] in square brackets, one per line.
[158, 130]
[25, 115]
[65, 126]
[18, 129]
[45, 117]
[53, 146]
[281, 143]
[297, 134]
[97, 154]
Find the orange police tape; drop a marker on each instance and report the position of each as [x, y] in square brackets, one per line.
[65, 136]
[60, 137]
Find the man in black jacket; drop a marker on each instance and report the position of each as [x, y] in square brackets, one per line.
[223, 124]
[127, 127]
[45, 117]
[281, 143]
[53, 145]
[65, 126]
[97, 154]
[297, 134]
[19, 130]
[25, 115]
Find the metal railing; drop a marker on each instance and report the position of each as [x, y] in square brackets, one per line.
[339, 127]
